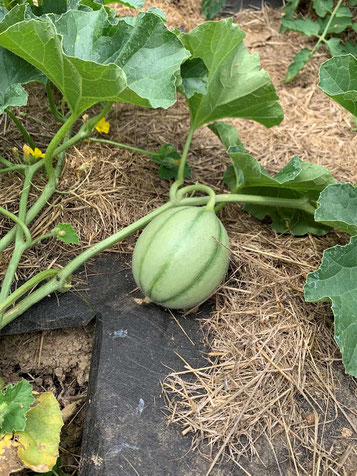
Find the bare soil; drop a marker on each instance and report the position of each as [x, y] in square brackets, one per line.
[54, 361]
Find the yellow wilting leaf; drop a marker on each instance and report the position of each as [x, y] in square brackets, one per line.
[40, 439]
[9, 460]
[103, 126]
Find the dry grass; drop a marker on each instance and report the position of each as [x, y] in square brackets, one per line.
[273, 373]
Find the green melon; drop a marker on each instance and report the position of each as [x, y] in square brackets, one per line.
[179, 260]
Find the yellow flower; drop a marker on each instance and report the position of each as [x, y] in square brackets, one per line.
[37, 154]
[103, 126]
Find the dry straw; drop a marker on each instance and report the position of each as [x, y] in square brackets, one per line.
[273, 389]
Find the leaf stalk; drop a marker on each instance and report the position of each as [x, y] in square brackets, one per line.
[20, 127]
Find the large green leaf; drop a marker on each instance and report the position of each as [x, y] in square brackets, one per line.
[194, 76]
[90, 59]
[128, 3]
[50, 6]
[151, 58]
[14, 72]
[237, 86]
[336, 281]
[15, 402]
[149, 54]
[298, 179]
[211, 8]
[81, 81]
[338, 79]
[338, 207]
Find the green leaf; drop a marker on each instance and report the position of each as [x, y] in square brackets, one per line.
[3, 12]
[169, 160]
[338, 79]
[90, 59]
[340, 22]
[354, 26]
[128, 3]
[297, 65]
[305, 26]
[15, 402]
[40, 439]
[289, 10]
[337, 48]
[322, 7]
[81, 81]
[237, 86]
[338, 207]
[298, 179]
[66, 233]
[336, 281]
[353, 3]
[151, 59]
[158, 12]
[194, 76]
[50, 6]
[211, 8]
[14, 72]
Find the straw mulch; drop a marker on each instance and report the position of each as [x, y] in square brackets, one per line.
[273, 396]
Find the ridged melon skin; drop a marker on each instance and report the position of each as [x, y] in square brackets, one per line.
[179, 260]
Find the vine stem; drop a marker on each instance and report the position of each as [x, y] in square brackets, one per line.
[124, 146]
[13, 168]
[26, 287]
[5, 162]
[43, 237]
[301, 204]
[60, 281]
[20, 127]
[52, 103]
[324, 33]
[19, 222]
[181, 170]
[51, 149]
[85, 130]
[50, 187]
[202, 188]
[20, 244]
[8, 238]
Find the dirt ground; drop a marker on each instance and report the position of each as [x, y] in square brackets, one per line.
[273, 396]
[54, 361]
